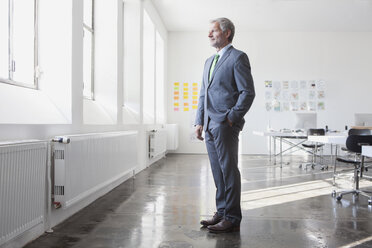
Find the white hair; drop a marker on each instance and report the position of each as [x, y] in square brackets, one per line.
[225, 24]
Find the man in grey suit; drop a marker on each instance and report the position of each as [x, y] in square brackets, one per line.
[226, 94]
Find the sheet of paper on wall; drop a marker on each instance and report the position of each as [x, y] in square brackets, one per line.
[268, 95]
[276, 106]
[321, 106]
[268, 106]
[294, 95]
[312, 84]
[303, 84]
[277, 94]
[303, 106]
[303, 95]
[285, 85]
[321, 94]
[285, 106]
[294, 84]
[268, 84]
[277, 85]
[294, 106]
[312, 95]
[321, 84]
[312, 106]
[286, 96]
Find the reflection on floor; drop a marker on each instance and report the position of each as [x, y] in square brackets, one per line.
[161, 207]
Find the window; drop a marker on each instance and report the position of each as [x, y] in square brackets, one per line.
[148, 70]
[88, 59]
[160, 89]
[153, 73]
[18, 42]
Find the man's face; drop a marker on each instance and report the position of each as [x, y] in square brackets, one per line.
[217, 38]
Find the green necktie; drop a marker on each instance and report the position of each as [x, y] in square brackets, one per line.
[213, 65]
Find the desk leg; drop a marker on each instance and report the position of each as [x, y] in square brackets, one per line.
[270, 147]
[281, 152]
[274, 139]
[334, 166]
[331, 153]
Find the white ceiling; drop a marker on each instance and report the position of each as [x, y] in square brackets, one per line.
[268, 15]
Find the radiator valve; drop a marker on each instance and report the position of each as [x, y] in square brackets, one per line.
[61, 139]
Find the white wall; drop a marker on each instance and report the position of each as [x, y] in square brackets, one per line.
[342, 60]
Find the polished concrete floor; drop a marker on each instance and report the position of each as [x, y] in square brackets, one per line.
[282, 207]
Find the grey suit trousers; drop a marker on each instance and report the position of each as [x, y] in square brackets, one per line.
[222, 143]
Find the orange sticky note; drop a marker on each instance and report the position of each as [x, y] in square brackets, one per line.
[185, 104]
[195, 89]
[176, 92]
[176, 98]
[194, 102]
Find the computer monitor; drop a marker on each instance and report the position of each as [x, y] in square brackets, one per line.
[305, 121]
[363, 119]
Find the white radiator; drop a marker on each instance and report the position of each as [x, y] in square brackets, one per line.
[157, 143]
[22, 187]
[91, 162]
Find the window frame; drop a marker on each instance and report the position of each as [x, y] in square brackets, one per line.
[86, 28]
[11, 62]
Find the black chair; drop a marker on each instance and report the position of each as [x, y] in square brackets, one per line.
[358, 131]
[354, 144]
[315, 147]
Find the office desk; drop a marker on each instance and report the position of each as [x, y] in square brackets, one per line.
[285, 137]
[367, 151]
[332, 139]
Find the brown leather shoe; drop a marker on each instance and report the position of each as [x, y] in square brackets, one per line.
[224, 226]
[214, 220]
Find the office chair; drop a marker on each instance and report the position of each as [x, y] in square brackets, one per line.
[354, 144]
[357, 131]
[315, 147]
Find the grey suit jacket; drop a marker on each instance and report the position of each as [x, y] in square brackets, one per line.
[230, 92]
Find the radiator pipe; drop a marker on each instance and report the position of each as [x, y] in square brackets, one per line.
[48, 227]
